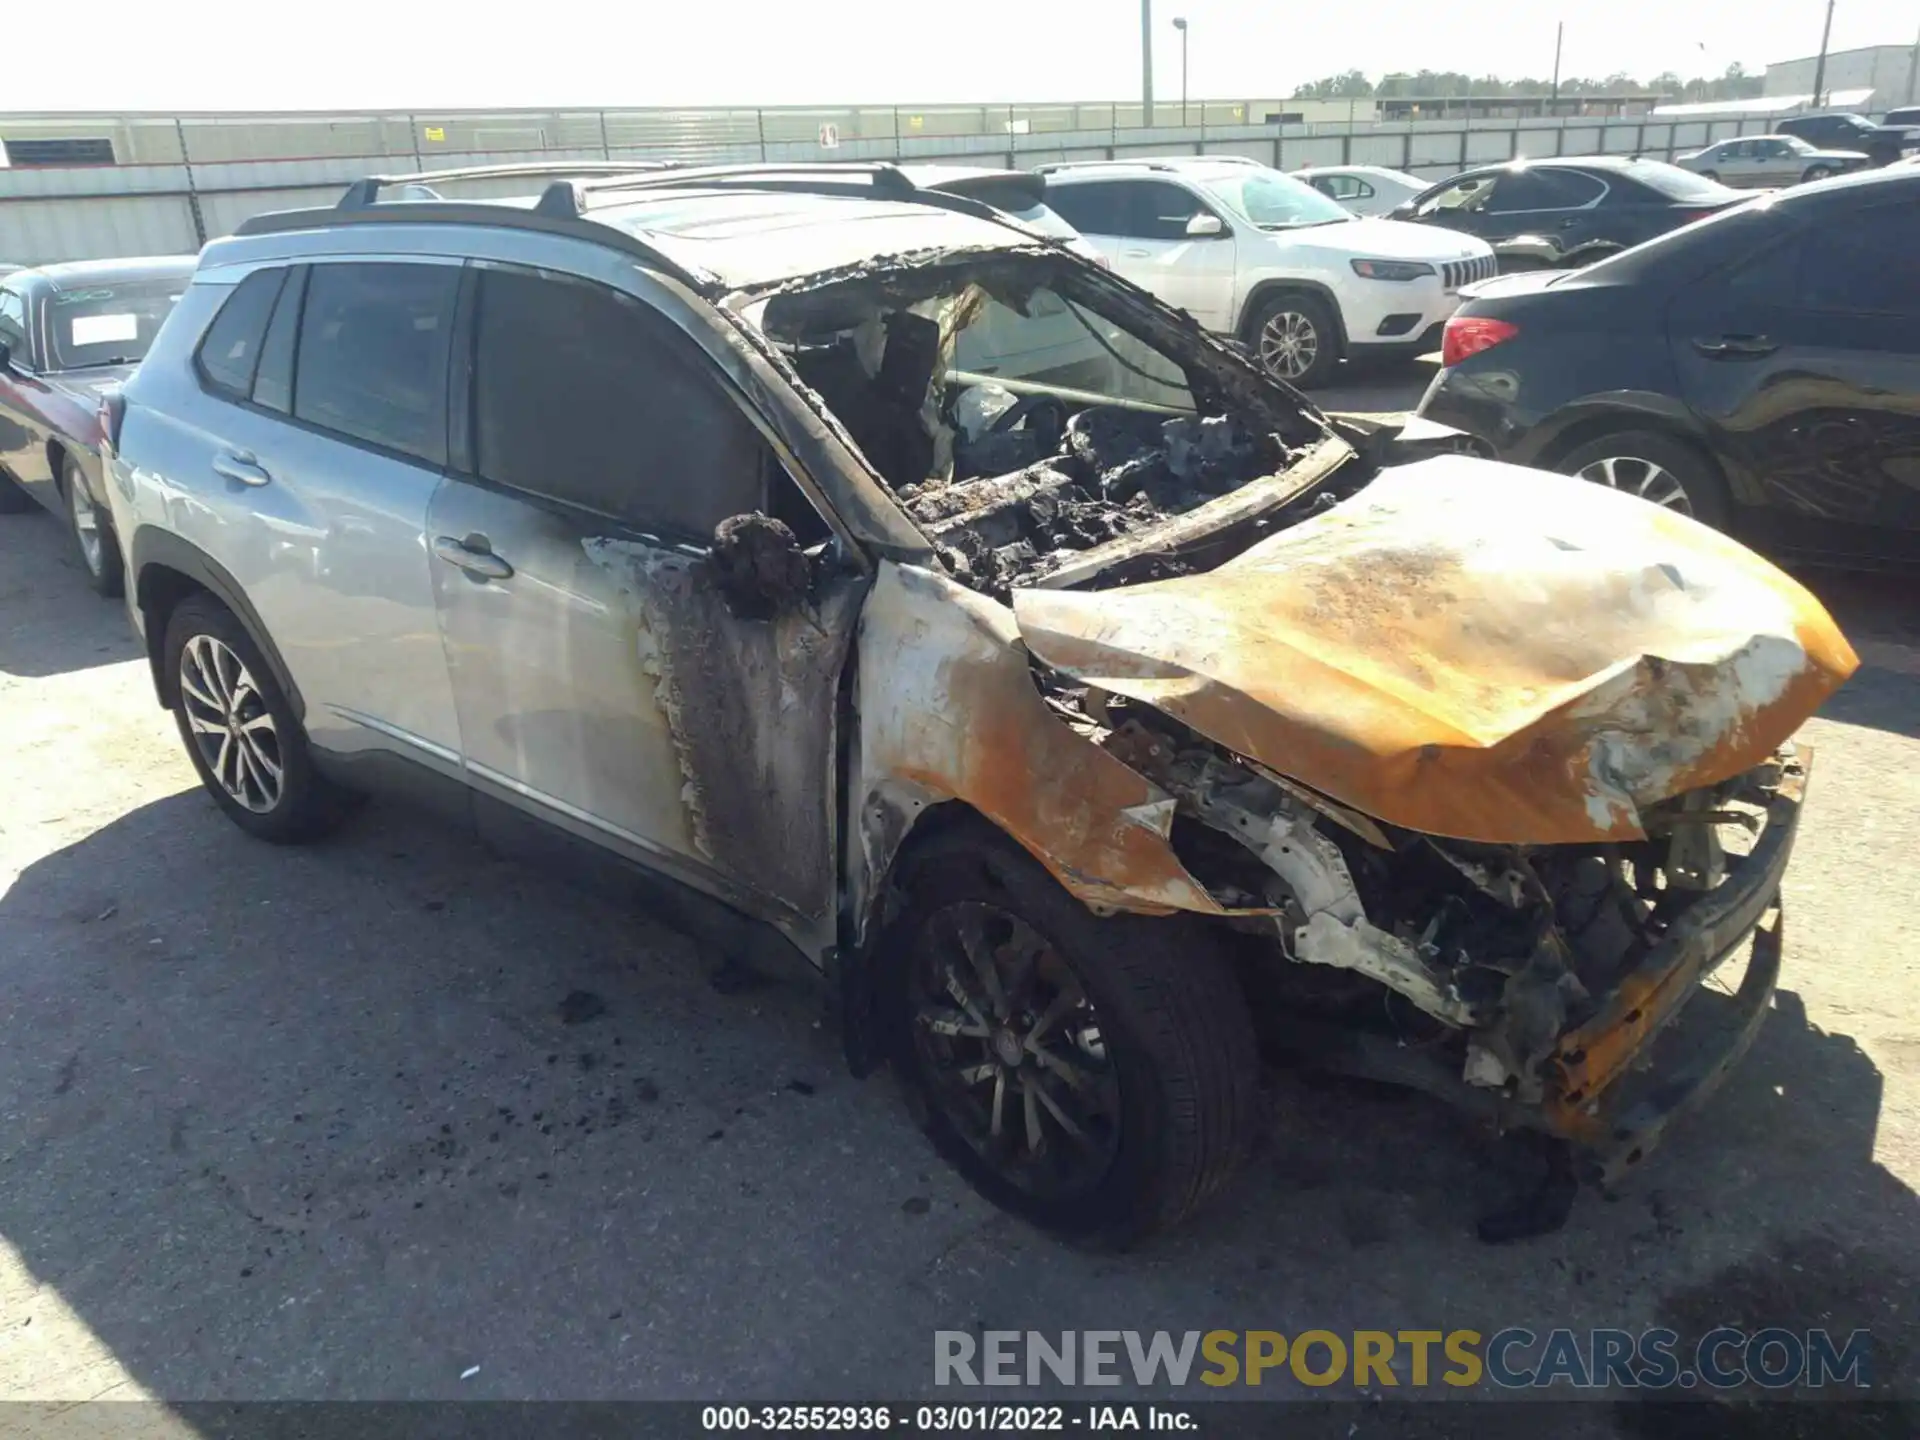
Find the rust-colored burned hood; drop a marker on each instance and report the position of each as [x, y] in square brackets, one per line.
[1472, 650]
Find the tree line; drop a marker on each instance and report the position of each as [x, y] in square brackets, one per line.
[1735, 84]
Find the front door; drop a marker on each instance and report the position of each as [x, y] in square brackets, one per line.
[1140, 226]
[604, 682]
[1806, 361]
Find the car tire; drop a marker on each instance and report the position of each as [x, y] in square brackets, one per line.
[1816, 172]
[1713, 175]
[1294, 337]
[92, 533]
[242, 736]
[1661, 468]
[1147, 1047]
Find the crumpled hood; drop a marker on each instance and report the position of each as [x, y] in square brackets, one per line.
[1472, 650]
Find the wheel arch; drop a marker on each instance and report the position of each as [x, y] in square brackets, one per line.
[165, 570]
[1271, 289]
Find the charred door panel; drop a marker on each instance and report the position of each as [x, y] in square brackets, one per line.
[604, 685]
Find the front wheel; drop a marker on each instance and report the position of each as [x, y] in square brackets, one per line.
[92, 535]
[1295, 339]
[1097, 1076]
[1657, 468]
[241, 734]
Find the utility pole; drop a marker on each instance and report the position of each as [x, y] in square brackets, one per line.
[1146, 62]
[1913, 70]
[1559, 34]
[1180, 24]
[1820, 65]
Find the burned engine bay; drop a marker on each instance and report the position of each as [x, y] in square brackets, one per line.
[1019, 425]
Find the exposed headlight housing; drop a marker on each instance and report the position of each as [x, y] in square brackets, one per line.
[1391, 269]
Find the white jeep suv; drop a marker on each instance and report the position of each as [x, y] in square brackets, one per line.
[1257, 255]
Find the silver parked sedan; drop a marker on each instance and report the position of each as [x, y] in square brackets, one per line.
[1758, 162]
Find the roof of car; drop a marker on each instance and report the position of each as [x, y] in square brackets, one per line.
[1158, 164]
[727, 235]
[756, 238]
[1889, 175]
[100, 272]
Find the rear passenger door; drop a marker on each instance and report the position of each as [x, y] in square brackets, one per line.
[324, 439]
[1805, 358]
[603, 684]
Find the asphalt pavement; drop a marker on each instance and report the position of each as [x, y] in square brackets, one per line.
[387, 1117]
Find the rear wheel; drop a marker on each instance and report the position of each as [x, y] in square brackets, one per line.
[241, 734]
[1655, 467]
[1295, 338]
[1817, 172]
[92, 534]
[1097, 1076]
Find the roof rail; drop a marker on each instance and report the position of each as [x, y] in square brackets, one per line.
[880, 178]
[1167, 163]
[363, 193]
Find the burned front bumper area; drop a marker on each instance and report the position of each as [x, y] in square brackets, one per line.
[1634, 1057]
[1621, 1077]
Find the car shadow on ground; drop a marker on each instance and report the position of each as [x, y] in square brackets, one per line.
[352, 1120]
[50, 621]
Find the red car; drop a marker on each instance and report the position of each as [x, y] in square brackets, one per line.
[68, 333]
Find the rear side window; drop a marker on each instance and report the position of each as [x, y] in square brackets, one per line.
[1864, 265]
[13, 325]
[1544, 190]
[230, 351]
[585, 395]
[372, 355]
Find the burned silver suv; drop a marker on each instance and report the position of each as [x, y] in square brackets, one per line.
[879, 581]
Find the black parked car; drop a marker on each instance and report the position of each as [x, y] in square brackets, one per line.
[1883, 144]
[1555, 213]
[1759, 371]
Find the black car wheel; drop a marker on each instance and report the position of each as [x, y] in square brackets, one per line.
[1097, 1076]
[241, 734]
[92, 534]
[1295, 339]
[1817, 172]
[1655, 467]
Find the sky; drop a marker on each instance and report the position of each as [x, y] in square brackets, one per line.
[358, 54]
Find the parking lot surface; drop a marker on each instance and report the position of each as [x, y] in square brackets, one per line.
[389, 1118]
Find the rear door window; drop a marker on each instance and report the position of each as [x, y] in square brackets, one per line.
[587, 396]
[230, 351]
[13, 326]
[1544, 190]
[372, 355]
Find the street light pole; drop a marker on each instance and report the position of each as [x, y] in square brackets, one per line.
[1820, 65]
[1180, 24]
[1559, 34]
[1146, 62]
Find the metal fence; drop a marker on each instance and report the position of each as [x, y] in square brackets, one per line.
[178, 182]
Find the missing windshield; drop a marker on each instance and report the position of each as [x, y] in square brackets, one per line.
[1024, 419]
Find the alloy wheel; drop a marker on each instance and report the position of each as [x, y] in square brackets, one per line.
[1645, 478]
[1289, 344]
[86, 527]
[1013, 1050]
[231, 724]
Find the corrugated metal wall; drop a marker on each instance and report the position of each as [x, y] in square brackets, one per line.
[179, 180]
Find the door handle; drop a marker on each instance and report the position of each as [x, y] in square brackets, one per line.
[1735, 347]
[1134, 255]
[240, 466]
[473, 555]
